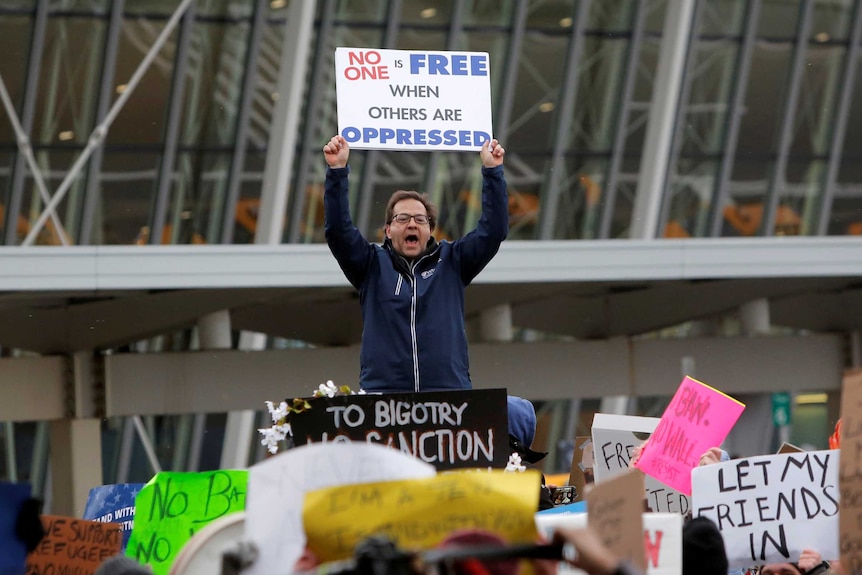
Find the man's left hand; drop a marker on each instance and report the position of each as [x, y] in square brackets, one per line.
[492, 154]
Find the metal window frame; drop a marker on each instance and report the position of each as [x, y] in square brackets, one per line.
[242, 121]
[778, 177]
[734, 119]
[308, 147]
[550, 197]
[28, 113]
[845, 100]
[103, 104]
[622, 127]
[172, 129]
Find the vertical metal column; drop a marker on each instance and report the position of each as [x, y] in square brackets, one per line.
[665, 99]
[372, 157]
[622, 127]
[778, 177]
[28, 111]
[836, 147]
[76, 463]
[285, 122]
[456, 28]
[165, 177]
[510, 82]
[310, 148]
[679, 121]
[734, 118]
[566, 110]
[103, 104]
[245, 104]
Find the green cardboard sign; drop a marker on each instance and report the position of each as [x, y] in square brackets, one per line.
[173, 506]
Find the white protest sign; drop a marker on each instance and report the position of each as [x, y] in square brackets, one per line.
[277, 488]
[412, 100]
[771, 507]
[614, 441]
[662, 539]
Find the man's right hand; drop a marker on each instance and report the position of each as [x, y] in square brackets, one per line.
[336, 152]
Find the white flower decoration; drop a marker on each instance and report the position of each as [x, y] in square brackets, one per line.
[277, 413]
[280, 429]
[514, 463]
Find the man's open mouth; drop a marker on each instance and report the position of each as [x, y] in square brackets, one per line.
[411, 239]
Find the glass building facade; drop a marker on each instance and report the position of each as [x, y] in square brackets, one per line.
[765, 139]
[621, 119]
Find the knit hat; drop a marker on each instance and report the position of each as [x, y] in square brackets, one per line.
[703, 548]
[522, 428]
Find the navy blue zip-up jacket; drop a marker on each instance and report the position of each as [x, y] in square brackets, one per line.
[413, 336]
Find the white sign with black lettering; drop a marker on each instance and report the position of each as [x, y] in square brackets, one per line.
[615, 438]
[662, 539]
[771, 507]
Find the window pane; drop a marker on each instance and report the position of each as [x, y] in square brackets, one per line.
[142, 119]
[68, 80]
[125, 201]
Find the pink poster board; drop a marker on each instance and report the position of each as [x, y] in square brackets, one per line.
[698, 417]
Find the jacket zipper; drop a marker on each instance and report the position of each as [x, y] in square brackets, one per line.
[413, 301]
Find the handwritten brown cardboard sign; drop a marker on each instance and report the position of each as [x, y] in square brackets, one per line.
[73, 546]
[616, 506]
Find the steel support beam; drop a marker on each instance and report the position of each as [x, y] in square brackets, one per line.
[655, 162]
[244, 107]
[778, 176]
[183, 382]
[101, 131]
[733, 118]
[281, 149]
[679, 121]
[839, 130]
[28, 111]
[76, 464]
[165, 178]
[103, 103]
[565, 113]
[609, 196]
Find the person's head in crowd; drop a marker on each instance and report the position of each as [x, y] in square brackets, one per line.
[810, 563]
[703, 550]
[522, 429]
[122, 565]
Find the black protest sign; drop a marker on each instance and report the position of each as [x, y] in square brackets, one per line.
[73, 546]
[450, 430]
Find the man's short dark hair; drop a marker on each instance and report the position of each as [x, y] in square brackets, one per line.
[430, 208]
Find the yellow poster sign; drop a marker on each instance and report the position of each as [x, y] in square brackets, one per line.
[421, 513]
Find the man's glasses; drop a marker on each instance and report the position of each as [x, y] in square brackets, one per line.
[420, 219]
